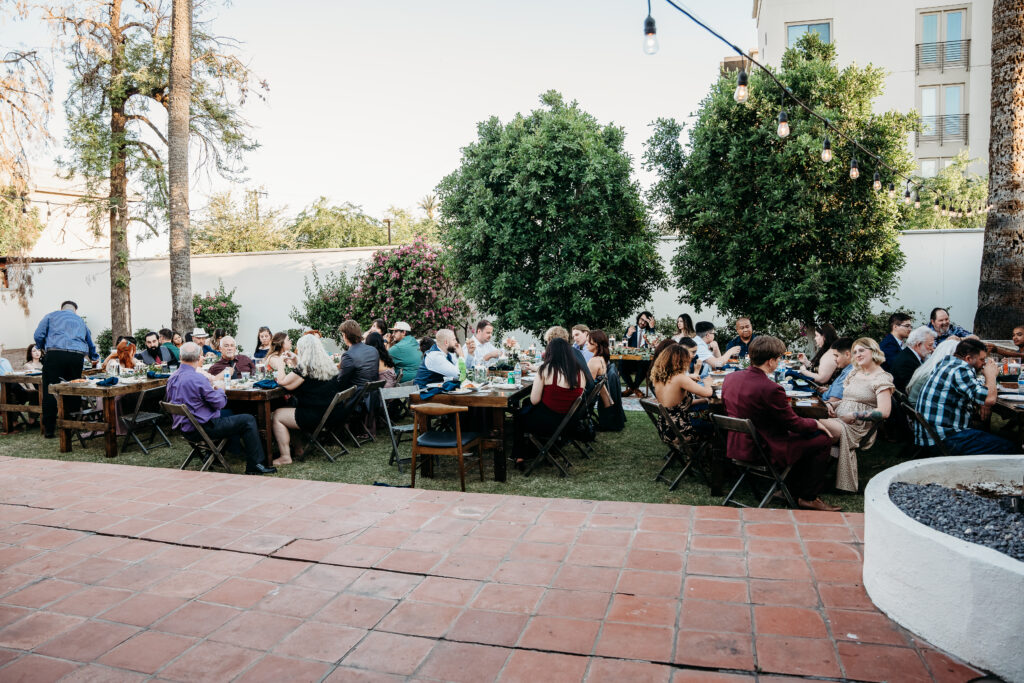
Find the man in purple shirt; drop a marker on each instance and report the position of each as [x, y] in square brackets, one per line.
[189, 387]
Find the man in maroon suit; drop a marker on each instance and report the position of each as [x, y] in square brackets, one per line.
[805, 443]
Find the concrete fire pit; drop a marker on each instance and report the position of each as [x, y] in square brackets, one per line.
[959, 596]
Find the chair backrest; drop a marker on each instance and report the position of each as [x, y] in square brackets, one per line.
[339, 398]
[675, 438]
[741, 426]
[138, 402]
[926, 426]
[595, 391]
[398, 375]
[182, 410]
[567, 420]
[652, 408]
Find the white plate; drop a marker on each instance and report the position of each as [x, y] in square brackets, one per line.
[434, 385]
[1012, 397]
[457, 392]
[799, 394]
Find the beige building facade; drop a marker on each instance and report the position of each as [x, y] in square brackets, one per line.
[937, 56]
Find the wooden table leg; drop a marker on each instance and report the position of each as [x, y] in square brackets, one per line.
[500, 461]
[65, 434]
[42, 429]
[5, 417]
[110, 434]
[268, 435]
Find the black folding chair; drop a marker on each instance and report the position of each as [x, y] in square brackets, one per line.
[928, 451]
[323, 429]
[397, 432]
[549, 450]
[588, 412]
[139, 420]
[762, 468]
[680, 450]
[202, 445]
[361, 403]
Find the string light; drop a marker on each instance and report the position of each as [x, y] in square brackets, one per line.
[945, 212]
[917, 200]
[892, 190]
[742, 91]
[826, 150]
[876, 184]
[906, 195]
[783, 129]
[936, 207]
[854, 171]
[650, 33]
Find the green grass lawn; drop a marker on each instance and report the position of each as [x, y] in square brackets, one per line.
[623, 469]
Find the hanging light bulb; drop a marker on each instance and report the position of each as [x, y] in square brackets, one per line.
[936, 207]
[970, 210]
[854, 171]
[917, 200]
[945, 211]
[906, 195]
[826, 150]
[742, 92]
[783, 130]
[650, 34]
[47, 210]
[892, 190]
[876, 184]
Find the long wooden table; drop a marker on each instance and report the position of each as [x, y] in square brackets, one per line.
[262, 398]
[108, 425]
[496, 402]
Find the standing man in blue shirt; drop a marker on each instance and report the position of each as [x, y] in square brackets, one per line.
[66, 341]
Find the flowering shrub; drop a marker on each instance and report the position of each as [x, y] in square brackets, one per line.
[326, 304]
[216, 310]
[409, 284]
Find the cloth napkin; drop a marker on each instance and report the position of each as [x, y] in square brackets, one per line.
[108, 382]
[797, 376]
[426, 394]
[39, 372]
[265, 384]
[152, 374]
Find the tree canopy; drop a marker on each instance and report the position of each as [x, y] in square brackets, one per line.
[228, 226]
[544, 223]
[769, 229]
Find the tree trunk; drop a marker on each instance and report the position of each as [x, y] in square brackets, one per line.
[1001, 287]
[120, 277]
[182, 317]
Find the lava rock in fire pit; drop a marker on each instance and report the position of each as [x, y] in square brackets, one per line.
[962, 514]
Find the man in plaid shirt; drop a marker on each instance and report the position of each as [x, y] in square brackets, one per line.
[950, 396]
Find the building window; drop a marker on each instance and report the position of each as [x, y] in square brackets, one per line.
[929, 167]
[944, 42]
[943, 115]
[795, 31]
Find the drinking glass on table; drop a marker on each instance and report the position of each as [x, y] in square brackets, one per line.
[611, 342]
[246, 376]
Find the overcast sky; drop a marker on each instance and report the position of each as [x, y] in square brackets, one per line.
[371, 101]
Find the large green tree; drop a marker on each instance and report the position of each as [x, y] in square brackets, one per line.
[230, 227]
[545, 224]
[768, 228]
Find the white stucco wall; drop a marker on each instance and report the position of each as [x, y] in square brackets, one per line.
[942, 269]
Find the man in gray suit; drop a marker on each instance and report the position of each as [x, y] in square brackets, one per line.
[360, 364]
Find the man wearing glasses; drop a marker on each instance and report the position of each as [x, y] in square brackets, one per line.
[900, 326]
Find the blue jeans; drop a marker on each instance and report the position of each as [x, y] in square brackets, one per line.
[236, 426]
[977, 442]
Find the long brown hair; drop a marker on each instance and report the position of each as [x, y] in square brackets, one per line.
[600, 341]
[125, 354]
[277, 344]
[673, 360]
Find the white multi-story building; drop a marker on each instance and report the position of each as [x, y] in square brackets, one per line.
[937, 57]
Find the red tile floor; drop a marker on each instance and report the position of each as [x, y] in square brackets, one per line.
[116, 573]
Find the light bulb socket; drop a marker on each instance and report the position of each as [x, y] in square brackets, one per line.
[783, 117]
[649, 28]
[742, 78]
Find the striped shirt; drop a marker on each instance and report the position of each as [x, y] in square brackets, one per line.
[948, 398]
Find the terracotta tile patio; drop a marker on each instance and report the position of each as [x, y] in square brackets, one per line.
[110, 572]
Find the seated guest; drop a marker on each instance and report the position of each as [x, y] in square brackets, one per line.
[124, 354]
[919, 346]
[684, 327]
[218, 334]
[230, 358]
[1018, 345]
[386, 364]
[699, 370]
[405, 350]
[842, 351]
[483, 351]
[167, 340]
[950, 396]
[33, 359]
[199, 336]
[313, 385]
[154, 354]
[579, 341]
[944, 328]
[707, 347]
[559, 383]
[675, 388]
[379, 326]
[893, 343]
[360, 362]
[867, 398]
[744, 333]
[790, 440]
[611, 417]
[441, 361]
[559, 332]
[921, 375]
[15, 393]
[186, 386]
[177, 340]
[263, 339]
[658, 350]
[633, 371]
[636, 335]
[280, 353]
[822, 367]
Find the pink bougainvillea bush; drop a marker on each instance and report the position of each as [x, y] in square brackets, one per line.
[216, 310]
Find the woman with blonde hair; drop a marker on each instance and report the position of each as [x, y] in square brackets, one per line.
[675, 388]
[313, 384]
[867, 399]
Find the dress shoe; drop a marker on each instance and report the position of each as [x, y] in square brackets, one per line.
[50, 435]
[261, 469]
[817, 504]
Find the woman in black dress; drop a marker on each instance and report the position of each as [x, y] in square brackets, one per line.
[313, 385]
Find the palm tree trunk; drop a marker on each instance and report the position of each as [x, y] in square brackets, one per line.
[182, 317]
[120, 277]
[1001, 287]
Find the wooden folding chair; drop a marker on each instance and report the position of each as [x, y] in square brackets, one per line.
[680, 449]
[433, 442]
[917, 417]
[588, 411]
[323, 427]
[762, 468]
[549, 449]
[139, 420]
[202, 445]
